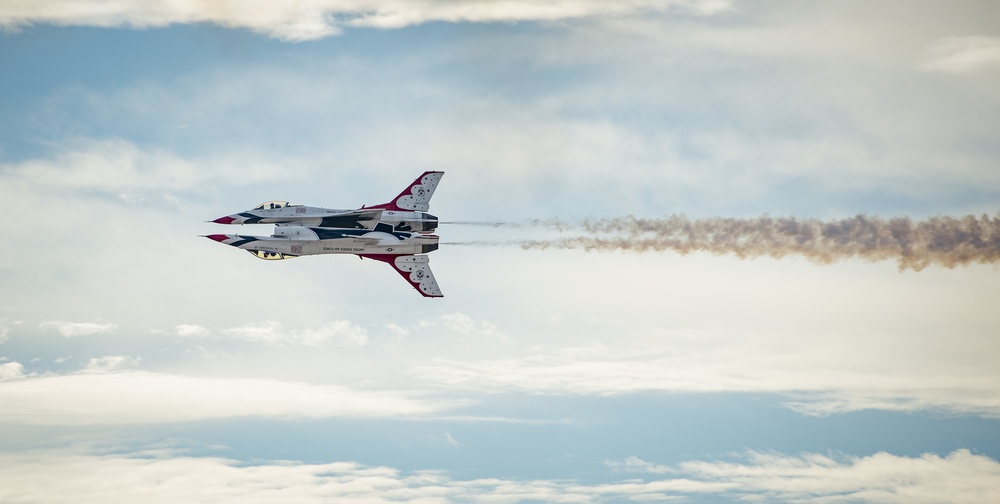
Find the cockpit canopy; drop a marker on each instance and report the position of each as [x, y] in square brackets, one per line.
[271, 205]
[270, 256]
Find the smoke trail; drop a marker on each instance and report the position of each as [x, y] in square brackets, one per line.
[943, 241]
[551, 223]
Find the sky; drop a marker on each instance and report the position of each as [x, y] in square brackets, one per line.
[142, 362]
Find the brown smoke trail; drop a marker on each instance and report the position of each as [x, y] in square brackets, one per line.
[550, 223]
[942, 241]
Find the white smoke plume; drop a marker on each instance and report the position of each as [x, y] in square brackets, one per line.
[942, 241]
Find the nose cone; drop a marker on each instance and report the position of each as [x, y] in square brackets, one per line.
[217, 237]
[229, 219]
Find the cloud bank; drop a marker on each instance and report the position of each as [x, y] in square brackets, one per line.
[313, 19]
[97, 396]
[960, 476]
[81, 477]
[114, 165]
[816, 377]
[959, 55]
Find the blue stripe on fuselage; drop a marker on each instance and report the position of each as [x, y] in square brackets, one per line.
[330, 234]
[250, 218]
[245, 240]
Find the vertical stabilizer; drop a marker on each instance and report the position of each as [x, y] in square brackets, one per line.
[416, 197]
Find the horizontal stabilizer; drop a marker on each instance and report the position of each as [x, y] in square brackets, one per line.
[415, 269]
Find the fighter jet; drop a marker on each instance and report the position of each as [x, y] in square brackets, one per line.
[397, 233]
[407, 212]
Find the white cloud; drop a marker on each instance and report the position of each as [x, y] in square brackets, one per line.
[824, 377]
[73, 329]
[136, 397]
[444, 439]
[4, 330]
[214, 354]
[110, 363]
[959, 477]
[398, 332]
[82, 477]
[112, 165]
[972, 398]
[132, 198]
[637, 465]
[339, 333]
[191, 331]
[11, 371]
[126, 170]
[464, 326]
[962, 54]
[313, 19]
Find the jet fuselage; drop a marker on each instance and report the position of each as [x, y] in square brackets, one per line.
[294, 241]
[281, 212]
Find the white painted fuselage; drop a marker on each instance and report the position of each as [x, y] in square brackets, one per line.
[294, 241]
